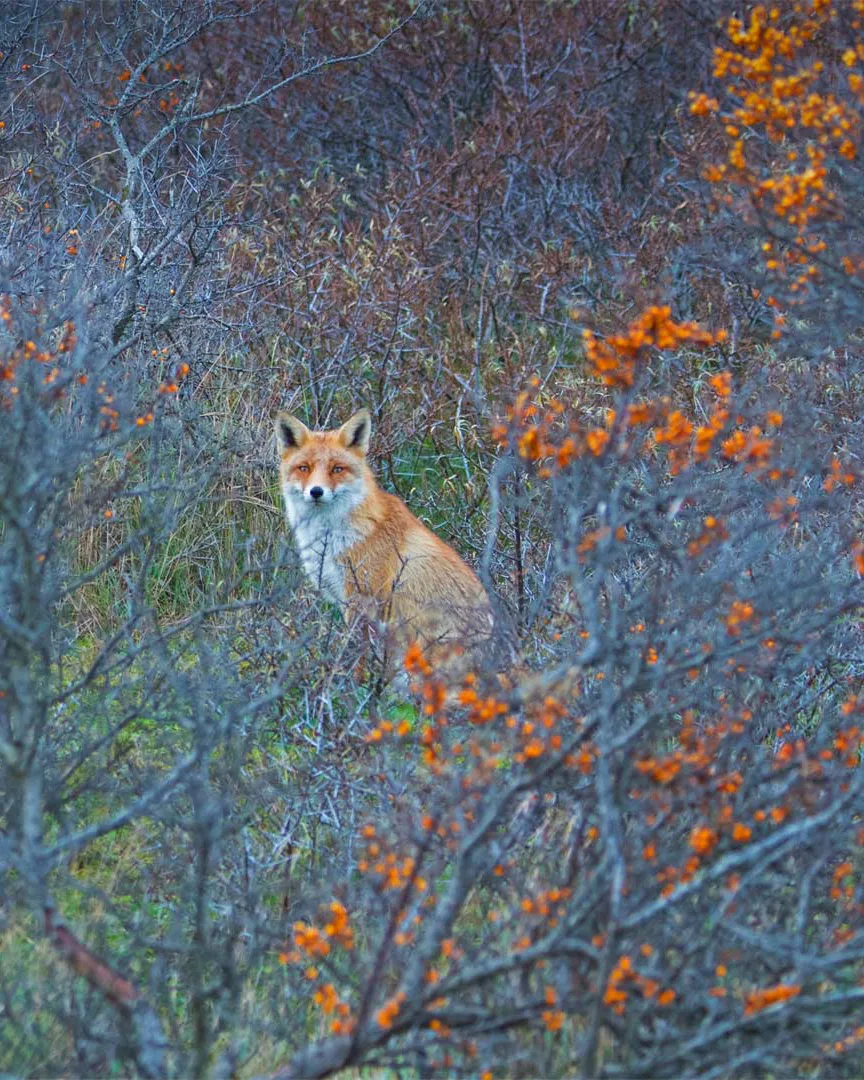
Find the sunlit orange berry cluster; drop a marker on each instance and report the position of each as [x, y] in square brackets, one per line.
[695, 753]
[541, 434]
[311, 942]
[553, 1019]
[547, 905]
[171, 386]
[390, 868]
[842, 882]
[853, 1039]
[786, 116]
[437, 708]
[431, 688]
[741, 613]
[845, 750]
[330, 1004]
[752, 448]
[110, 415]
[167, 388]
[426, 683]
[692, 772]
[847, 746]
[593, 538]
[415, 661]
[839, 475]
[62, 342]
[758, 1000]
[688, 443]
[439, 1028]
[389, 727]
[552, 440]
[854, 703]
[482, 709]
[388, 1012]
[625, 979]
[50, 356]
[537, 731]
[614, 359]
[537, 434]
[703, 839]
[783, 511]
[338, 929]
[714, 532]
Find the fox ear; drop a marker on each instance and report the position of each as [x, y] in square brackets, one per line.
[290, 432]
[354, 435]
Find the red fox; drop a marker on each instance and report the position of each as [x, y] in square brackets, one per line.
[365, 550]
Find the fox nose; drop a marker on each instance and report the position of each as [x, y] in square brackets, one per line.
[316, 493]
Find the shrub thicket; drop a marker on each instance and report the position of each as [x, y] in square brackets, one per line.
[594, 269]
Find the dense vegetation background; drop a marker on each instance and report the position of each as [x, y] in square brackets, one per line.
[596, 269]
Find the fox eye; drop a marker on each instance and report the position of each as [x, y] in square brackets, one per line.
[303, 468]
[337, 469]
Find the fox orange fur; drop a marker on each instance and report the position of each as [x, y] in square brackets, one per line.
[367, 552]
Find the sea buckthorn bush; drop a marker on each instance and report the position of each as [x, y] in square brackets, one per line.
[593, 269]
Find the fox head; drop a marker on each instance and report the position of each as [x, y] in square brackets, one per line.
[323, 472]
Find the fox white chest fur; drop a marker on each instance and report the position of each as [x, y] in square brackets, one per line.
[322, 534]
